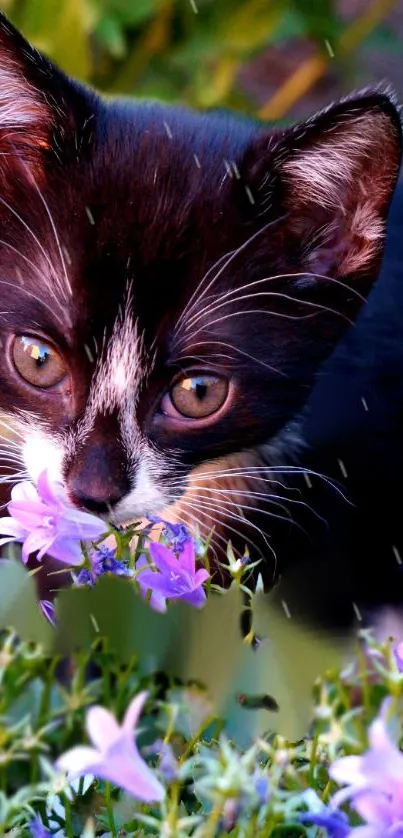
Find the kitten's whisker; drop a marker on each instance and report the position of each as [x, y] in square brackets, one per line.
[307, 303]
[56, 237]
[268, 499]
[31, 294]
[204, 504]
[232, 254]
[247, 286]
[235, 349]
[245, 538]
[35, 238]
[254, 472]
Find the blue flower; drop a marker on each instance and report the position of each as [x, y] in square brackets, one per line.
[176, 536]
[335, 822]
[48, 609]
[102, 561]
[37, 829]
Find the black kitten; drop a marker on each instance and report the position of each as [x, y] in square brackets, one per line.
[170, 283]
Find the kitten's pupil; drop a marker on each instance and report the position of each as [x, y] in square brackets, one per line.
[37, 351]
[199, 387]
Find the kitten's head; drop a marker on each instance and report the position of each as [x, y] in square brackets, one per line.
[170, 281]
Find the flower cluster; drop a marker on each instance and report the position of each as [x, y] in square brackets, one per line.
[43, 520]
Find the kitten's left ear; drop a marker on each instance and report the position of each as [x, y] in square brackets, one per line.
[332, 178]
[39, 106]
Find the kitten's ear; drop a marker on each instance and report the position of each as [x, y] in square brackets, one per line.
[333, 177]
[34, 106]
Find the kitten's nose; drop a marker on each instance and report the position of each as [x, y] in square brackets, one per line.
[98, 505]
[97, 481]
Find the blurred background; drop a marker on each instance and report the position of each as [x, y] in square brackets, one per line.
[276, 59]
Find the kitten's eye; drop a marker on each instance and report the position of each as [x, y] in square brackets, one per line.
[199, 396]
[37, 362]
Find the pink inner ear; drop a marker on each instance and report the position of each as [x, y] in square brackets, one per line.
[24, 114]
[339, 186]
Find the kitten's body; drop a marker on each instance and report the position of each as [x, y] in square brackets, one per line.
[354, 432]
[170, 284]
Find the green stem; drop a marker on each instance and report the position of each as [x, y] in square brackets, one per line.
[109, 809]
[213, 820]
[68, 817]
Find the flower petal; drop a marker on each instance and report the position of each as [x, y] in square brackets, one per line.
[133, 775]
[373, 807]
[79, 760]
[197, 597]
[66, 550]
[133, 713]
[187, 557]
[25, 491]
[348, 770]
[163, 558]
[39, 539]
[102, 727]
[50, 491]
[9, 526]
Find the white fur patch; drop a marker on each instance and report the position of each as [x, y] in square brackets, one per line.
[147, 497]
[41, 452]
[119, 374]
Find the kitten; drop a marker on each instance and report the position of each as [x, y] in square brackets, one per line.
[170, 284]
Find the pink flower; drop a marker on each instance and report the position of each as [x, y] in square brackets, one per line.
[44, 522]
[374, 783]
[175, 577]
[115, 756]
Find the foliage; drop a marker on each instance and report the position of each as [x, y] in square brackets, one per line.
[213, 786]
[188, 50]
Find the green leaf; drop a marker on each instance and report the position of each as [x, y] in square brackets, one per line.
[19, 607]
[60, 29]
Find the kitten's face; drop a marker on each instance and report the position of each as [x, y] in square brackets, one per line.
[170, 281]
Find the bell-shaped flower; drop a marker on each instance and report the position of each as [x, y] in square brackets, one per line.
[44, 522]
[114, 756]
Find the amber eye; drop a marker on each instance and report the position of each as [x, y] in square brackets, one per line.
[37, 362]
[199, 396]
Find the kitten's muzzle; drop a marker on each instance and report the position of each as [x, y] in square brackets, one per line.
[97, 480]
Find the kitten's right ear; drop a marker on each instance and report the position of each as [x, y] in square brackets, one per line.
[37, 103]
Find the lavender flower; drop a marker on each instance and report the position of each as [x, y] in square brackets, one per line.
[102, 561]
[114, 756]
[43, 521]
[374, 783]
[175, 577]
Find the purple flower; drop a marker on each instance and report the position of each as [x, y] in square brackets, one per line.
[48, 609]
[37, 829]
[44, 522]
[374, 783]
[102, 561]
[114, 757]
[175, 577]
